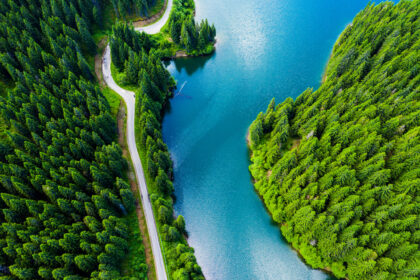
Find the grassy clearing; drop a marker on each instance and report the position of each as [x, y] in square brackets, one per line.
[108, 20]
[114, 100]
[119, 79]
[134, 263]
[100, 32]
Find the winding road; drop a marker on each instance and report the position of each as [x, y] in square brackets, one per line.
[129, 100]
[157, 25]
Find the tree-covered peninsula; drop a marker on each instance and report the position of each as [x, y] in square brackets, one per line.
[183, 30]
[339, 167]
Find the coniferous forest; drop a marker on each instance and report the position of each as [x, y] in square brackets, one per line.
[339, 167]
[195, 38]
[137, 58]
[63, 196]
[123, 8]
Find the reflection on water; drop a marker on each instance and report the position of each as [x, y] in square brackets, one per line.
[265, 49]
[192, 64]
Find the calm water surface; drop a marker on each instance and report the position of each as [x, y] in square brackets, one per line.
[265, 49]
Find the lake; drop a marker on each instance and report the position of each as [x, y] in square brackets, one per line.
[264, 49]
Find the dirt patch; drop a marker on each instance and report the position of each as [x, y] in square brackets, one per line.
[295, 143]
[98, 61]
[181, 54]
[269, 173]
[152, 19]
[121, 116]
[121, 128]
[248, 143]
[248, 139]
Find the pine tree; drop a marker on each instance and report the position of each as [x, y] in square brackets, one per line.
[87, 39]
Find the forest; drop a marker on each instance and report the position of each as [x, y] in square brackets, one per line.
[124, 8]
[138, 61]
[196, 39]
[64, 198]
[339, 168]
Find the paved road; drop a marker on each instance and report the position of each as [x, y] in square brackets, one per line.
[155, 27]
[129, 100]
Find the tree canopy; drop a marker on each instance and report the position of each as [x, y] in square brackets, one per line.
[123, 8]
[62, 198]
[339, 167]
[137, 57]
[184, 31]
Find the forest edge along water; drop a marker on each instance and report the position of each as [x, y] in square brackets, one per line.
[132, 55]
[264, 50]
[327, 189]
[337, 167]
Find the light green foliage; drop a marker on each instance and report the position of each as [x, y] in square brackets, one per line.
[134, 264]
[339, 167]
[113, 99]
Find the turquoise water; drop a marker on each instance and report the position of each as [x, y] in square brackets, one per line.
[265, 49]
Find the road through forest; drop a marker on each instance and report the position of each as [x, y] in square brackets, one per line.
[129, 100]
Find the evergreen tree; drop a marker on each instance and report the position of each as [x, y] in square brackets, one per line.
[337, 167]
[87, 39]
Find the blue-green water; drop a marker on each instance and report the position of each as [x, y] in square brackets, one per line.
[265, 48]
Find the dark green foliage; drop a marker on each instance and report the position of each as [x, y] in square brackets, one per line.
[85, 36]
[61, 197]
[339, 167]
[123, 8]
[139, 61]
[195, 38]
[124, 40]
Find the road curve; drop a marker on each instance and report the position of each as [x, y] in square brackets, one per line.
[157, 26]
[129, 100]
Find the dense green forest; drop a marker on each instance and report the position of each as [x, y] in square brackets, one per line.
[63, 198]
[138, 57]
[124, 8]
[195, 38]
[339, 167]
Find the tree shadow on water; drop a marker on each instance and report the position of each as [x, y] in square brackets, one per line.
[192, 64]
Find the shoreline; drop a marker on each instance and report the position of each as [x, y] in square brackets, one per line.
[326, 270]
[182, 53]
[324, 73]
[142, 178]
